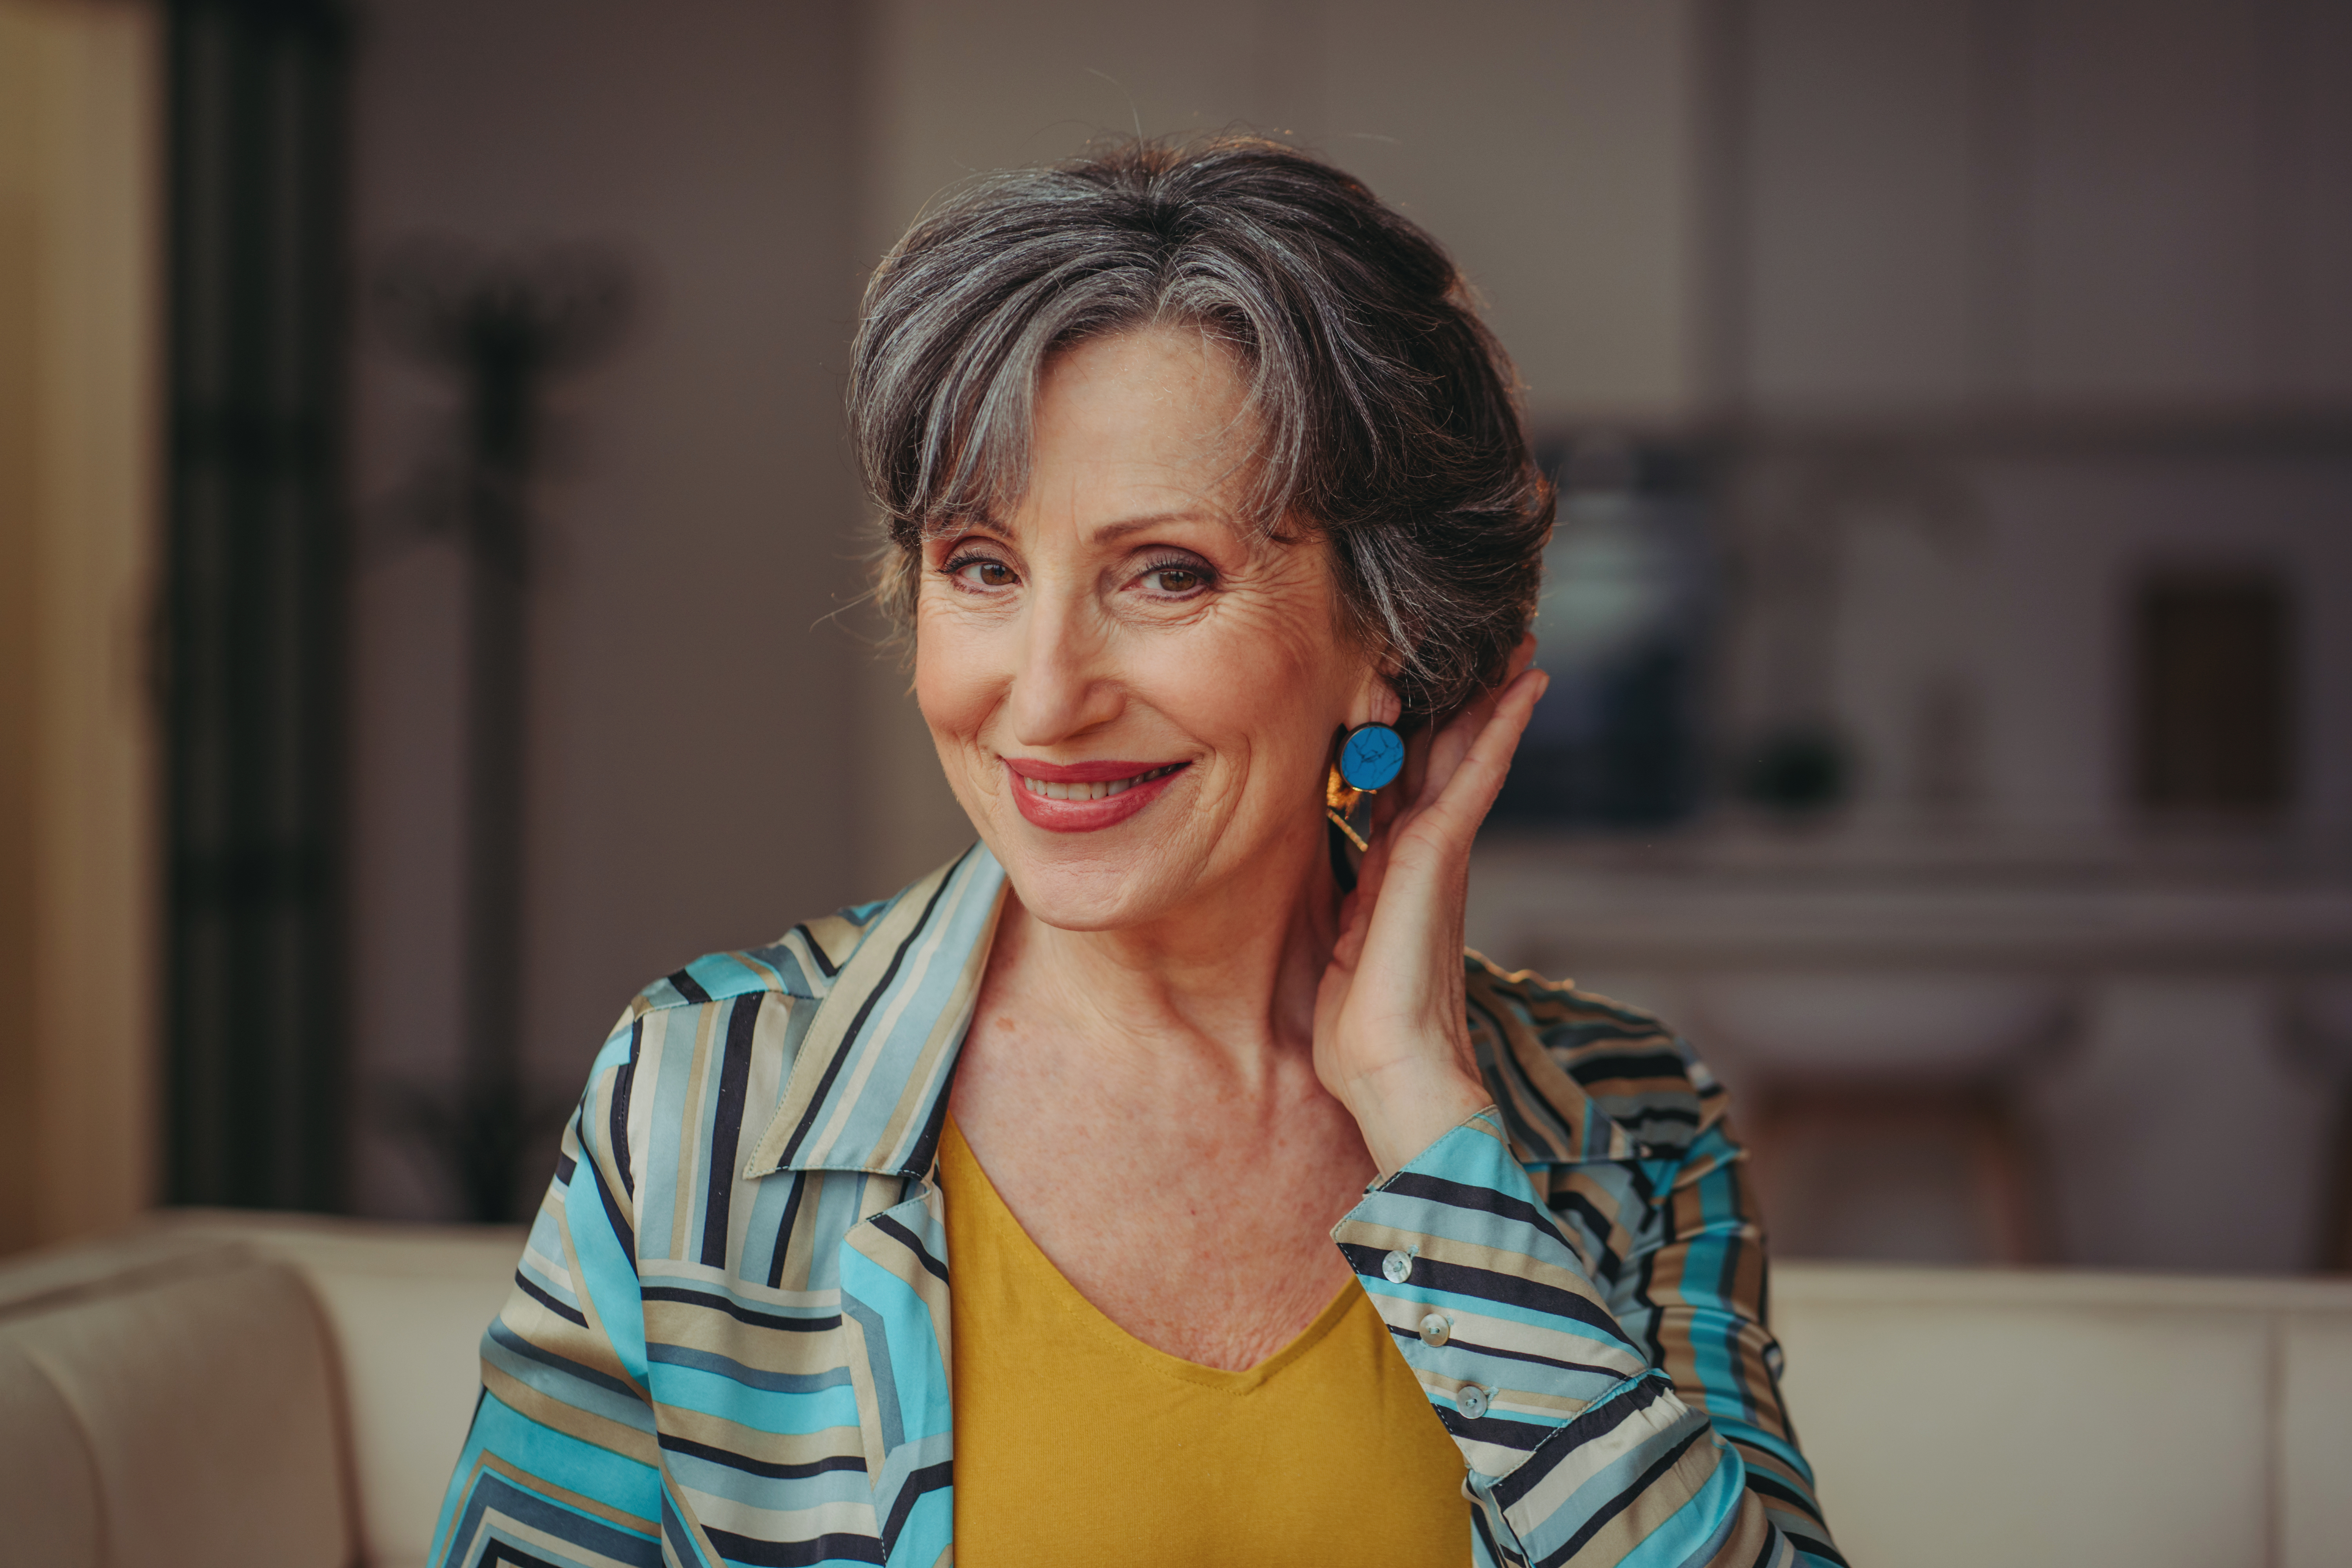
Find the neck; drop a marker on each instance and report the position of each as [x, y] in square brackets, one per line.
[1227, 983]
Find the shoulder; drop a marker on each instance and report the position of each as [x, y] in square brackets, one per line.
[721, 995]
[801, 963]
[747, 1003]
[1583, 1069]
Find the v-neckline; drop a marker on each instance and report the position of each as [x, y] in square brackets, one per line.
[1031, 1259]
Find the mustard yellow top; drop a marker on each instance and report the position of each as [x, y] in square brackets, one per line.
[1077, 1443]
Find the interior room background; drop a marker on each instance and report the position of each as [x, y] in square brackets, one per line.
[1952, 403]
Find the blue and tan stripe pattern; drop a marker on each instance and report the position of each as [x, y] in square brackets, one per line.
[730, 1336]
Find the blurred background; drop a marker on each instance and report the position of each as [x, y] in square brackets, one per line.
[430, 561]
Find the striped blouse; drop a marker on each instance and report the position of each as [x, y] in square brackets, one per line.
[730, 1336]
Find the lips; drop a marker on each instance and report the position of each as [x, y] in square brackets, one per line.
[1082, 797]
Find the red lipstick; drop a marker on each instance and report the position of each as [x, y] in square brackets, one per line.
[1082, 797]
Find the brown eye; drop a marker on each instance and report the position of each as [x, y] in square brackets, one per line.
[983, 573]
[1173, 581]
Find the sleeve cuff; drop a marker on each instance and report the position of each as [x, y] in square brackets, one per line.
[1485, 1299]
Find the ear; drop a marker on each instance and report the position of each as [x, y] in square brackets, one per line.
[1375, 703]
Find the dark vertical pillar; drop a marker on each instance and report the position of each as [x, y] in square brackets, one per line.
[256, 1106]
[496, 1128]
[503, 326]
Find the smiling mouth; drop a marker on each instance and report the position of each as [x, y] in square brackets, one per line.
[1098, 789]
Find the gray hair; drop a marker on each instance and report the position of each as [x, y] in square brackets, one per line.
[1385, 408]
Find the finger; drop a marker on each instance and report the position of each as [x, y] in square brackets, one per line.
[1397, 797]
[1462, 803]
[1454, 742]
[1451, 744]
[1416, 764]
[1355, 919]
[1481, 709]
[1404, 795]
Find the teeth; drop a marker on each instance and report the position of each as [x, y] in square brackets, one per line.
[1103, 790]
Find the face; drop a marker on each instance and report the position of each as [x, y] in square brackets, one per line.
[1133, 692]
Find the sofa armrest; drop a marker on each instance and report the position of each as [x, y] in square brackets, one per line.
[405, 1305]
[48, 1482]
[202, 1400]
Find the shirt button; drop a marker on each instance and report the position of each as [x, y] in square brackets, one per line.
[1398, 1267]
[1434, 1328]
[1471, 1400]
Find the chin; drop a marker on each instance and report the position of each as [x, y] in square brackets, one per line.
[1130, 873]
[1096, 886]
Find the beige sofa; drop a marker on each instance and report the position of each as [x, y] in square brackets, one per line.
[223, 1389]
[227, 1389]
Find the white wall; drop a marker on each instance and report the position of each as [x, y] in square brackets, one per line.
[1552, 147]
[692, 769]
[2118, 204]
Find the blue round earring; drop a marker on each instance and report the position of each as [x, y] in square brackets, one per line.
[1369, 757]
[1372, 757]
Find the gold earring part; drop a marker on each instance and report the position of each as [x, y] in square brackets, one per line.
[1339, 798]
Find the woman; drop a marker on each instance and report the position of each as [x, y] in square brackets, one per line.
[1196, 461]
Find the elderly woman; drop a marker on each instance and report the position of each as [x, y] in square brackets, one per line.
[1208, 506]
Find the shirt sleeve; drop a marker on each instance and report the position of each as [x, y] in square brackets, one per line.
[1607, 1409]
[563, 1462]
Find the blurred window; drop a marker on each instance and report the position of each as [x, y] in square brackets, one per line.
[1622, 628]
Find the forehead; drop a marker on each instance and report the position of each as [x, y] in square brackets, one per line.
[1164, 407]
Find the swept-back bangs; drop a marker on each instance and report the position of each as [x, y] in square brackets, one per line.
[1382, 404]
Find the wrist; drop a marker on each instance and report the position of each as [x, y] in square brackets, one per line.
[1403, 1109]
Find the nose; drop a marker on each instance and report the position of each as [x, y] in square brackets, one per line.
[1063, 685]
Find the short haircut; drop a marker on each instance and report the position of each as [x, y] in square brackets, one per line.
[1384, 407]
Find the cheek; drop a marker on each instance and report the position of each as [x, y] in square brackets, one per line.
[952, 679]
[1266, 687]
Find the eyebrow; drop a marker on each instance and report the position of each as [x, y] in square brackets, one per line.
[1126, 526]
[1108, 532]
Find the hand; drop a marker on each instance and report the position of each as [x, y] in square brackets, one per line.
[1392, 1036]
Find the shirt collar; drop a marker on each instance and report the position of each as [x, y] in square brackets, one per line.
[869, 1082]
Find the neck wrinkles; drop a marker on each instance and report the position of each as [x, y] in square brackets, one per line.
[1227, 981]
